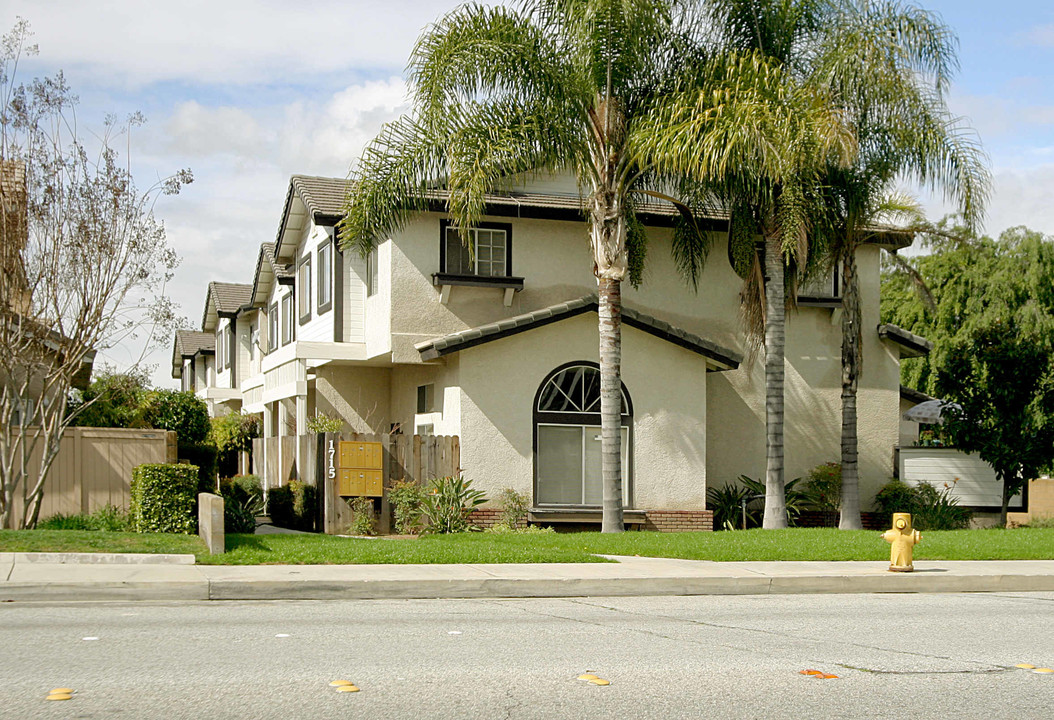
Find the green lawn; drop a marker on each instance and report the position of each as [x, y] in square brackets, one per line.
[794, 544]
[97, 541]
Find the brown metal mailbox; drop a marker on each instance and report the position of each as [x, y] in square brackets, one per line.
[361, 469]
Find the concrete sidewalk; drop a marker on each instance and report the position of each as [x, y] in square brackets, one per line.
[28, 577]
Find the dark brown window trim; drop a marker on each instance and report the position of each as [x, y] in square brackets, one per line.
[324, 307]
[303, 314]
[444, 223]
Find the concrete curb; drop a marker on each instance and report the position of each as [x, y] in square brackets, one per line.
[36, 581]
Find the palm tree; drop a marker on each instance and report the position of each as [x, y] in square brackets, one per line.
[904, 131]
[856, 69]
[552, 85]
[772, 190]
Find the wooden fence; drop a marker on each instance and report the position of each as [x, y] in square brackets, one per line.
[94, 468]
[417, 458]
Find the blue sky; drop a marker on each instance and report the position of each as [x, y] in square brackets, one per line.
[247, 93]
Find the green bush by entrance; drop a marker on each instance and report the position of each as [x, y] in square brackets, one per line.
[164, 498]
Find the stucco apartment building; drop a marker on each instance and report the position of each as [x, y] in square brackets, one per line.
[499, 347]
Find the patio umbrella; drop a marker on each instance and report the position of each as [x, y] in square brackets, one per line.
[929, 412]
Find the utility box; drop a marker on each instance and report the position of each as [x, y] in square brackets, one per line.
[361, 471]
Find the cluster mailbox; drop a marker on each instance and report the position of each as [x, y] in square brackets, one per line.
[361, 469]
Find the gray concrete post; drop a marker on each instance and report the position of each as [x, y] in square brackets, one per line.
[210, 521]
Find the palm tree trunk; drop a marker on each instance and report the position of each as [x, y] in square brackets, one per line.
[851, 363]
[775, 341]
[610, 311]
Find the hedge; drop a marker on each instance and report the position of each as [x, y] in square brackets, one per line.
[164, 498]
[293, 506]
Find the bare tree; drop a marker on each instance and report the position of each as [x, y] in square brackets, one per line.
[83, 267]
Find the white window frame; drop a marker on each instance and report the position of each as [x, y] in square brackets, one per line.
[325, 276]
[451, 237]
[288, 322]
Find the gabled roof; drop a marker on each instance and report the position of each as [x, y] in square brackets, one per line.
[224, 300]
[267, 272]
[189, 343]
[718, 357]
[912, 345]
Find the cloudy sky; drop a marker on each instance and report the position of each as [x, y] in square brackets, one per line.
[248, 93]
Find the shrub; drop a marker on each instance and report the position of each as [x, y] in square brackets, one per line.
[514, 507]
[183, 412]
[164, 498]
[62, 521]
[242, 502]
[795, 498]
[362, 517]
[293, 506]
[449, 504]
[895, 496]
[231, 434]
[938, 510]
[108, 518]
[202, 456]
[823, 487]
[930, 509]
[406, 498]
[726, 504]
[322, 423]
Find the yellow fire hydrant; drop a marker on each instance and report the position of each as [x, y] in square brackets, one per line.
[902, 540]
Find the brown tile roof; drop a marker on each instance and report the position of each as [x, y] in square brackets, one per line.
[722, 358]
[911, 345]
[230, 297]
[226, 298]
[321, 195]
[189, 343]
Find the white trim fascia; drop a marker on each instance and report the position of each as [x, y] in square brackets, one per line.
[251, 382]
[288, 390]
[306, 350]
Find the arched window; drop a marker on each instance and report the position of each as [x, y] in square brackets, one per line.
[567, 438]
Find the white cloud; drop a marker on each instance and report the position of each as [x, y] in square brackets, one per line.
[1042, 35]
[230, 42]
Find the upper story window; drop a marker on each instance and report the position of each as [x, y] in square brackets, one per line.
[228, 345]
[272, 328]
[485, 252]
[325, 276]
[287, 319]
[303, 290]
[220, 349]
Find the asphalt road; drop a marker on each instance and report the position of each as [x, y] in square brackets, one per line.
[902, 656]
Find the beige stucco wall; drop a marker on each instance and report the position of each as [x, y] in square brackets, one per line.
[813, 399]
[666, 385]
[909, 431]
[360, 395]
[553, 258]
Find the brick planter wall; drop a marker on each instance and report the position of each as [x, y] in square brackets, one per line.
[658, 520]
[679, 520]
[488, 517]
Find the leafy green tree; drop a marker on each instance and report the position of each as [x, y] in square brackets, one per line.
[231, 434]
[550, 86]
[973, 282]
[114, 399]
[180, 411]
[1002, 377]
